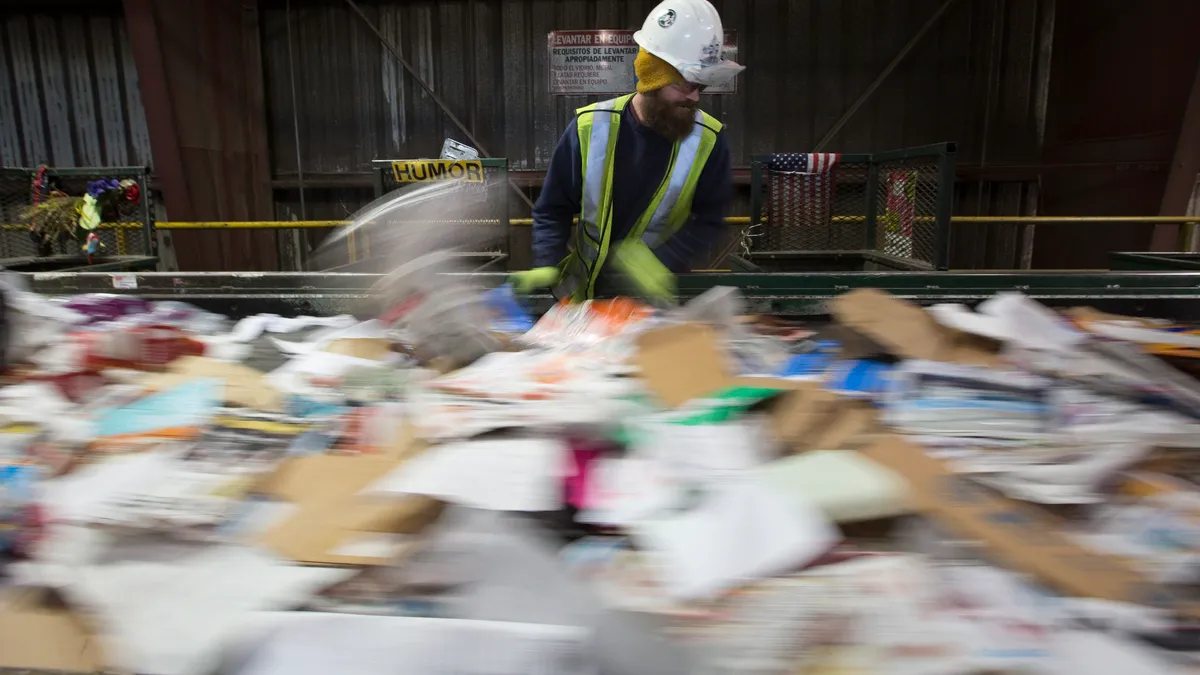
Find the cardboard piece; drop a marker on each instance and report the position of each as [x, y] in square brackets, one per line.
[389, 515]
[244, 386]
[320, 479]
[374, 349]
[331, 513]
[35, 634]
[314, 535]
[1175, 461]
[851, 424]
[811, 418]
[1146, 485]
[797, 414]
[876, 323]
[683, 362]
[1017, 535]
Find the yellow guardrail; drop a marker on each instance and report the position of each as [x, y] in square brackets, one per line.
[731, 220]
[1186, 235]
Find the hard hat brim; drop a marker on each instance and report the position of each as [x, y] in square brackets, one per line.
[710, 76]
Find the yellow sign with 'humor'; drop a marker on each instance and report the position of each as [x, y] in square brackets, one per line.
[432, 170]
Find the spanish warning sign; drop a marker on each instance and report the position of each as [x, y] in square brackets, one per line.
[601, 62]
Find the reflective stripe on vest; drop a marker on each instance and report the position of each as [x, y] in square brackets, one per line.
[668, 210]
[660, 228]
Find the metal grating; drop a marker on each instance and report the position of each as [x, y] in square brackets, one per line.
[906, 209]
[127, 231]
[816, 211]
[895, 203]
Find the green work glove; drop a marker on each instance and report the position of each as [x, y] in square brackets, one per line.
[642, 267]
[534, 279]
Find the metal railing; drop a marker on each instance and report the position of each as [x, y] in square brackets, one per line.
[731, 220]
[1027, 224]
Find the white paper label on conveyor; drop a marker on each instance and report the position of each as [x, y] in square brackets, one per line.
[125, 281]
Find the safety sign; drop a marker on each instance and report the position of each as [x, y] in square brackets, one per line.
[430, 170]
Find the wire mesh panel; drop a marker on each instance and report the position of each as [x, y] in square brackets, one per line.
[906, 208]
[126, 226]
[15, 199]
[891, 203]
[814, 202]
[481, 200]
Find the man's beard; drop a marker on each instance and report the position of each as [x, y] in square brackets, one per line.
[673, 121]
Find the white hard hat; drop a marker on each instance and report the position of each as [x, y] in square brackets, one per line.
[688, 35]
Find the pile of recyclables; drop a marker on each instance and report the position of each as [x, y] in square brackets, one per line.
[608, 489]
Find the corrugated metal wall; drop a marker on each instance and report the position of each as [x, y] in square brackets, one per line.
[69, 96]
[69, 91]
[68, 86]
[807, 62]
[974, 79]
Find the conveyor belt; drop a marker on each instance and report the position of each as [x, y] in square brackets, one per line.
[1174, 295]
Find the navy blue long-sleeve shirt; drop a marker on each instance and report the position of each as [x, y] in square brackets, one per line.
[640, 165]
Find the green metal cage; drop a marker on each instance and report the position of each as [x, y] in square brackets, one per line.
[130, 241]
[887, 210]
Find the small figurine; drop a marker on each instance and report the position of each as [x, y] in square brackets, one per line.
[92, 246]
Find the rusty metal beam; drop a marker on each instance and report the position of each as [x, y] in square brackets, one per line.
[254, 113]
[1185, 166]
[1043, 60]
[142, 24]
[883, 76]
[1186, 163]
[200, 74]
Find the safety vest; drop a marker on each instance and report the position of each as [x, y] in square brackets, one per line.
[668, 211]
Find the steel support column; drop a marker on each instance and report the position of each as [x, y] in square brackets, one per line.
[200, 71]
[1181, 182]
[142, 25]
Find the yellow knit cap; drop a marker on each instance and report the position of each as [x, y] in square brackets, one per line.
[653, 73]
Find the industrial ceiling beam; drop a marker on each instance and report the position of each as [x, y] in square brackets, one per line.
[1185, 166]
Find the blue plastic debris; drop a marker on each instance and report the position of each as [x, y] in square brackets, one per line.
[858, 377]
[508, 316]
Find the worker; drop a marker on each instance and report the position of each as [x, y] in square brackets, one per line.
[648, 175]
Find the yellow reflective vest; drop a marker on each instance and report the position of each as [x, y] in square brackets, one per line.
[668, 211]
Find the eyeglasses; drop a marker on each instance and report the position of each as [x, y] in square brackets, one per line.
[686, 87]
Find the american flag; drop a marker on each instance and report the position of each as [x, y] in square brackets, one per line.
[803, 162]
[800, 195]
